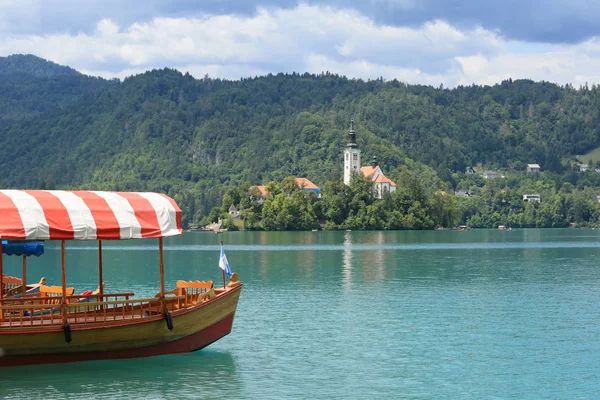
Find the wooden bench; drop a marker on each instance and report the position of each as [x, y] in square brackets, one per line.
[195, 291]
[53, 294]
[10, 283]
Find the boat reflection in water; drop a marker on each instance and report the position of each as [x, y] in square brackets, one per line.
[146, 377]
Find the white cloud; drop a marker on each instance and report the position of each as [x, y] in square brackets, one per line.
[367, 70]
[309, 38]
[576, 64]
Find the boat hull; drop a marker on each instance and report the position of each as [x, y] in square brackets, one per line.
[193, 329]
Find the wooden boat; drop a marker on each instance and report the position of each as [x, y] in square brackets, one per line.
[107, 325]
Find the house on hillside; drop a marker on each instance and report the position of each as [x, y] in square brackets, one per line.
[469, 171]
[533, 168]
[531, 197]
[583, 167]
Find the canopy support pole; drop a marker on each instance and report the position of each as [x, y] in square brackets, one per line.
[24, 286]
[162, 267]
[100, 279]
[1, 282]
[64, 280]
[1, 274]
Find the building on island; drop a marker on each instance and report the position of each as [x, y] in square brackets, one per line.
[352, 166]
[382, 183]
[533, 168]
[233, 211]
[351, 156]
[305, 184]
[262, 193]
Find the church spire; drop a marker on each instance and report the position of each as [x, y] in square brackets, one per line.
[374, 162]
[352, 135]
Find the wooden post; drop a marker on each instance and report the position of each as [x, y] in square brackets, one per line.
[1, 282]
[24, 286]
[1, 273]
[100, 279]
[162, 267]
[64, 280]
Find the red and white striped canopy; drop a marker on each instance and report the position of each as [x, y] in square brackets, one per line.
[83, 215]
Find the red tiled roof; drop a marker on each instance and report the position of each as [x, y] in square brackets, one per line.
[261, 189]
[368, 171]
[305, 183]
[384, 179]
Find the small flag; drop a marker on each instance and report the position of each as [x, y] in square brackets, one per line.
[223, 263]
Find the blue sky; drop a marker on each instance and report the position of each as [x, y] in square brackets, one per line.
[428, 41]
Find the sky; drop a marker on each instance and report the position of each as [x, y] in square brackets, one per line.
[433, 42]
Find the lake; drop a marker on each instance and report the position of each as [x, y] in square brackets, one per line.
[420, 315]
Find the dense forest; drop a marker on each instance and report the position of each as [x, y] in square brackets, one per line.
[200, 139]
[30, 85]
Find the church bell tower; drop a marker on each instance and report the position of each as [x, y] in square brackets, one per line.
[351, 156]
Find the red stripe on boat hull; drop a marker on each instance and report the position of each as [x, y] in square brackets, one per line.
[193, 342]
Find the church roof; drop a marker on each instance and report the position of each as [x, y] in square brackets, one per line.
[305, 183]
[368, 171]
[384, 179]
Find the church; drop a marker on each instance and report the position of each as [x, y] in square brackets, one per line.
[373, 172]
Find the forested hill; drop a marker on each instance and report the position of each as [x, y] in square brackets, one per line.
[30, 85]
[194, 138]
[34, 66]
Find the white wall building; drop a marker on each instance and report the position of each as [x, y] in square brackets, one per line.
[533, 168]
[531, 197]
[351, 156]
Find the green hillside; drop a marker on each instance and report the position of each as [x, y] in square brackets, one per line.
[34, 66]
[195, 138]
[593, 156]
[30, 85]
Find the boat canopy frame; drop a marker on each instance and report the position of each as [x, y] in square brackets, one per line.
[86, 215]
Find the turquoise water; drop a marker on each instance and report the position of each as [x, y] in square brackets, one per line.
[421, 315]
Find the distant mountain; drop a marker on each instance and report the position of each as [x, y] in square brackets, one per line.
[30, 85]
[32, 65]
[194, 138]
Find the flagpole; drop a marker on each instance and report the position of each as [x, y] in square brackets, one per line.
[223, 271]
